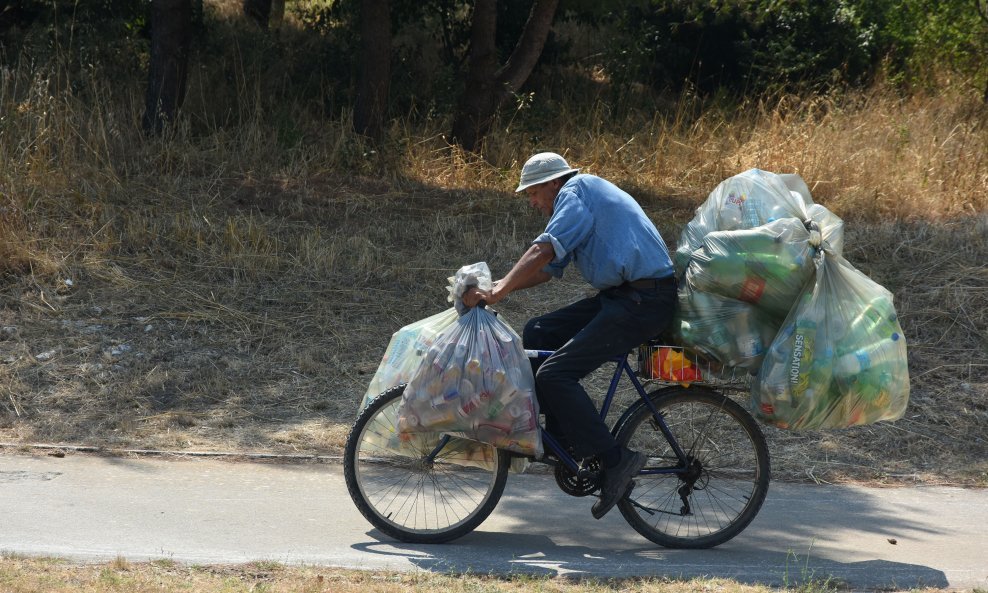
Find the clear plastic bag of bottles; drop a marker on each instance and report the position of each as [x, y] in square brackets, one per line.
[744, 201]
[728, 331]
[409, 344]
[405, 352]
[766, 266]
[475, 382]
[839, 359]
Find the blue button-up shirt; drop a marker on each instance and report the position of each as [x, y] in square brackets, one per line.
[604, 230]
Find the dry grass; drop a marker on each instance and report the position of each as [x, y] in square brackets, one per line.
[21, 575]
[214, 290]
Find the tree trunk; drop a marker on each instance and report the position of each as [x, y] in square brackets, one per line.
[476, 105]
[277, 14]
[375, 68]
[258, 11]
[171, 24]
[487, 86]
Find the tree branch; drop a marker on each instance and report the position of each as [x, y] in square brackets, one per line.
[526, 54]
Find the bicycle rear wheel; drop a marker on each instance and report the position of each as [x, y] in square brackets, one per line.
[728, 475]
[404, 494]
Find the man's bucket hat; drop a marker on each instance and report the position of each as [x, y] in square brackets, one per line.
[543, 167]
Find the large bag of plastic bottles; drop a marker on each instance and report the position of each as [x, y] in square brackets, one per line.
[727, 331]
[409, 344]
[766, 266]
[405, 352]
[765, 288]
[839, 359]
[475, 380]
[749, 200]
[743, 260]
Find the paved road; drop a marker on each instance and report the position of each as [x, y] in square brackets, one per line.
[210, 511]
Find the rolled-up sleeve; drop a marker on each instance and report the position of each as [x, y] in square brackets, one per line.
[555, 267]
[569, 227]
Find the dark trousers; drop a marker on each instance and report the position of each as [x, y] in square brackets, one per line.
[585, 335]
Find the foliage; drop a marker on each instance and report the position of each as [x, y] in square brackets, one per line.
[643, 49]
[95, 30]
[750, 46]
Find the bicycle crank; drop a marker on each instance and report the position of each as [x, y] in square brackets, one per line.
[583, 483]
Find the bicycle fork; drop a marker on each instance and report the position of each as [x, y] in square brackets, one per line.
[430, 459]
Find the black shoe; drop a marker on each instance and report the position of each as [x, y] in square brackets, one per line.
[618, 481]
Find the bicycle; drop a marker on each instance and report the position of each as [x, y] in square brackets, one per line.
[706, 478]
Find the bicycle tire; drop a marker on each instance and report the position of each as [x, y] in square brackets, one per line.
[407, 499]
[730, 469]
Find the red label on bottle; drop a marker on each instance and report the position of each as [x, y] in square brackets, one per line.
[752, 289]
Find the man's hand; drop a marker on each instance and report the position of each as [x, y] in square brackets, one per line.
[473, 296]
[526, 273]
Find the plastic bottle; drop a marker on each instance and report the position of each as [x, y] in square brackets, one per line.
[861, 359]
[751, 348]
[877, 313]
[824, 394]
[874, 391]
[779, 266]
[748, 341]
[751, 290]
[468, 406]
[441, 356]
[755, 240]
[777, 390]
[498, 378]
[437, 417]
[521, 417]
[751, 215]
[451, 377]
[719, 273]
[853, 363]
[729, 216]
[474, 372]
[522, 424]
[721, 341]
[497, 406]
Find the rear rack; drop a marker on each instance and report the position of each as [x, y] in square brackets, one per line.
[667, 363]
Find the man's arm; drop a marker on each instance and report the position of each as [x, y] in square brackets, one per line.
[527, 272]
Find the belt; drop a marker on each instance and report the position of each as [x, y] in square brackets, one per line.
[651, 283]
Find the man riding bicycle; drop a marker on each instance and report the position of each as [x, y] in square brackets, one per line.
[618, 250]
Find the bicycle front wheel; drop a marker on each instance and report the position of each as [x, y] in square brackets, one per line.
[726, 480]
[410, 492]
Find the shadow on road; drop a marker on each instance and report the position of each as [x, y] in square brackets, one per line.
[803, 534]
[502, 554]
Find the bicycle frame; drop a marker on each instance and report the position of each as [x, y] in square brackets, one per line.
[622, 367]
